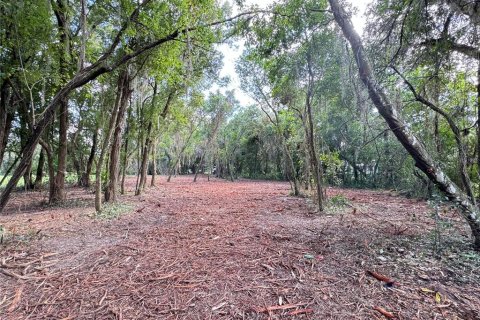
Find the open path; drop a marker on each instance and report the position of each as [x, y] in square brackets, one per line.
[242, 250]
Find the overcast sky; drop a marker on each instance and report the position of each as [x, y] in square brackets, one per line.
[232, 53]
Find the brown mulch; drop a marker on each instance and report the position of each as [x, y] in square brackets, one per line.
[242, 250]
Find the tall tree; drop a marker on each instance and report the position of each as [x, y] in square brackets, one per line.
[400, 128]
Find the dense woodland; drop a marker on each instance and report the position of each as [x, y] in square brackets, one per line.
[94, 91]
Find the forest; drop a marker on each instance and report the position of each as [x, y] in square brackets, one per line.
[136, 184]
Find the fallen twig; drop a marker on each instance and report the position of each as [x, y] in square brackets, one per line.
[384, 312]
[273, 308]
[381, 277]
[19, 276]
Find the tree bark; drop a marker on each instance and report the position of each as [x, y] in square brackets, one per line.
[114, 164]
[125, 156]
[91, 158]
[143, 167]
[59, 181]
[51, 168]
[154, 162]
[6, 118]
[106, 143]
[39, 173]
[478, 118]
[314, 164]
[399, 127]
[61, 12]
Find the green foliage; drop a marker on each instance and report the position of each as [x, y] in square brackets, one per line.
[338, 201]
[332, 164]
[111, 211]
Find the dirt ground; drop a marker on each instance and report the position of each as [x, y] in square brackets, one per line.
[242, 250]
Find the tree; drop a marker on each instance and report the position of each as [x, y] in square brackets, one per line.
[400, 128]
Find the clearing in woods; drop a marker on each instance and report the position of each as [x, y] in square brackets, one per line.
[243, 250]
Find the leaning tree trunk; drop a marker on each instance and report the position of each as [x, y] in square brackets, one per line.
[402, 131]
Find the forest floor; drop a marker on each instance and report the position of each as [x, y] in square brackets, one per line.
[242, 250]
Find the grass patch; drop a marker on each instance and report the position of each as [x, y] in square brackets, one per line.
[338, 201]
[337, 204]
[112, 211]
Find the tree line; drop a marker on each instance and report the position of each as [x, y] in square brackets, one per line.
[98, 90]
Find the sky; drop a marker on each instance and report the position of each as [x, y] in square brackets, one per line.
[232, 52]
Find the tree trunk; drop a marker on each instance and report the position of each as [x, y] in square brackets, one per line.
[61, 12]
[25, 127]
[59, 182]
[106, 143]
[199, 166]
[478, 118]
[291, 168]
[51, 168]
[180, 155]
[124, 166]
[39, 173]
[6, 119]
[402, 131]
[143, 167]
[114, 164]
[154, 162]
[314, 164]
[91, 158]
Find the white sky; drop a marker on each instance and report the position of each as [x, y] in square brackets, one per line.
[233, 52]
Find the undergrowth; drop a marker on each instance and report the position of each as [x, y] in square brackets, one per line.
[112, 211]
[338, 201]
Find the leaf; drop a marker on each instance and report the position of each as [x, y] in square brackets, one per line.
[309, 256]
[438, 297]
[427, 290]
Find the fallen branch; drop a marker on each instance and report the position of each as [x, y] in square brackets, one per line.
[384, 312]
[19, 276]
[389, 282]
[273, 308]
[26, 264]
